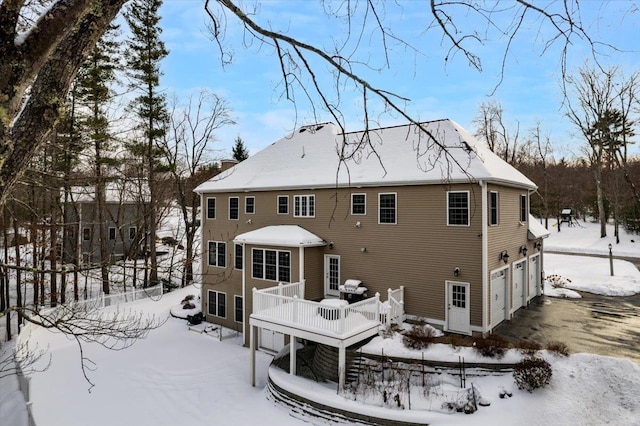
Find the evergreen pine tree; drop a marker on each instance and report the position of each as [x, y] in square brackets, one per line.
[145, 51]
[94, 93]
[240, 152]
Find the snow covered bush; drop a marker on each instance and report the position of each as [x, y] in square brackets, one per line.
[492, 346]
[419, 337]
[532, 373]
[557, 281]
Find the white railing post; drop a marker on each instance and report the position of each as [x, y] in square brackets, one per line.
[280, 289]
[302, 288]
[254, 293]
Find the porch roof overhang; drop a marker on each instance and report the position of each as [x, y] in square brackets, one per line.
[281, 236]
[536, 229]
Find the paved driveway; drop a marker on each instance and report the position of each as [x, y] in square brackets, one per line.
[602, 325]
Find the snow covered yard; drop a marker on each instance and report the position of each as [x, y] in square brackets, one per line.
[175, 376]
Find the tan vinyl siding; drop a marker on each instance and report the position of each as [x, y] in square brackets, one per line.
[419, 252]
[509, 235]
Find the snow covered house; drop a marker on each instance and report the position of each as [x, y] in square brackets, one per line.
[448, 231]
[123, 216]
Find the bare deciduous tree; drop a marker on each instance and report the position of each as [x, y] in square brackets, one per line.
[187, 148]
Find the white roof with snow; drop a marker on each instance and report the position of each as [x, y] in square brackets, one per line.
[281, 236]
[319, 156]
[536, 229]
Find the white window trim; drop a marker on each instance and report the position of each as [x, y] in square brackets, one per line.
[278, 205]
[229, 208]
[308, 197]
[235, 297]
[497, 208]
[526, 208]
[225, 253]
[468, 209]
[254, 204]
[395, 194]
[214, 208]
[264, 265]
[226, 307]
[365, 205]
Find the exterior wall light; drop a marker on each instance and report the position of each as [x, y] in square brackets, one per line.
[363, 250]
[524, 250]
[504, 256]
[331, 245]
[537, 245]
[456, 271]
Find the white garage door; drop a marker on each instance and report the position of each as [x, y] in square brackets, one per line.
[534, 277]
[519, 286]
[498, 296]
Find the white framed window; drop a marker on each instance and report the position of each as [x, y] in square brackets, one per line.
[234, 208]
[249, 205]
[494, 208]
[211, 208]
[218, 254]
[283, 204]
[112, 233]
[458, 208]
[271, 265]
[237, 258]
[86, 234]
[217, 305]
[238, 309]
[132, 232]
[358, 204]
[387, 208]
[523, 208]
[304, 206]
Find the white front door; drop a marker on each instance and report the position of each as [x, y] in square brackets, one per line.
[458, 319]
[331, 275]
[518, 290]
[498, 296]
[534, 276]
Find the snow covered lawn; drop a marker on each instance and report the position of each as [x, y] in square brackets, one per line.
[590, 274]
[175, 376]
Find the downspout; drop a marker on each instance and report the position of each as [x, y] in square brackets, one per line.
[301, 263]
[485, 248]
[244, 295]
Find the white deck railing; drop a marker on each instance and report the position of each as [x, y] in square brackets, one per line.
[283, 304]
[395, 310]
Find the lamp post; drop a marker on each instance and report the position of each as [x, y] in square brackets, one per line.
[610, 260]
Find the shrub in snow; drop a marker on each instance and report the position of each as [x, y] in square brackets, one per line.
[188, 298]
[558, 348]
[419, 337]
[188, 305]
[492, 346]
[529, 347]
[532, 373]
[557, 281]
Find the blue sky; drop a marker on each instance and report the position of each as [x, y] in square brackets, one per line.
[436, 88]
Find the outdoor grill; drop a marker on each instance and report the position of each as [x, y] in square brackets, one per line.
[353, 291]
